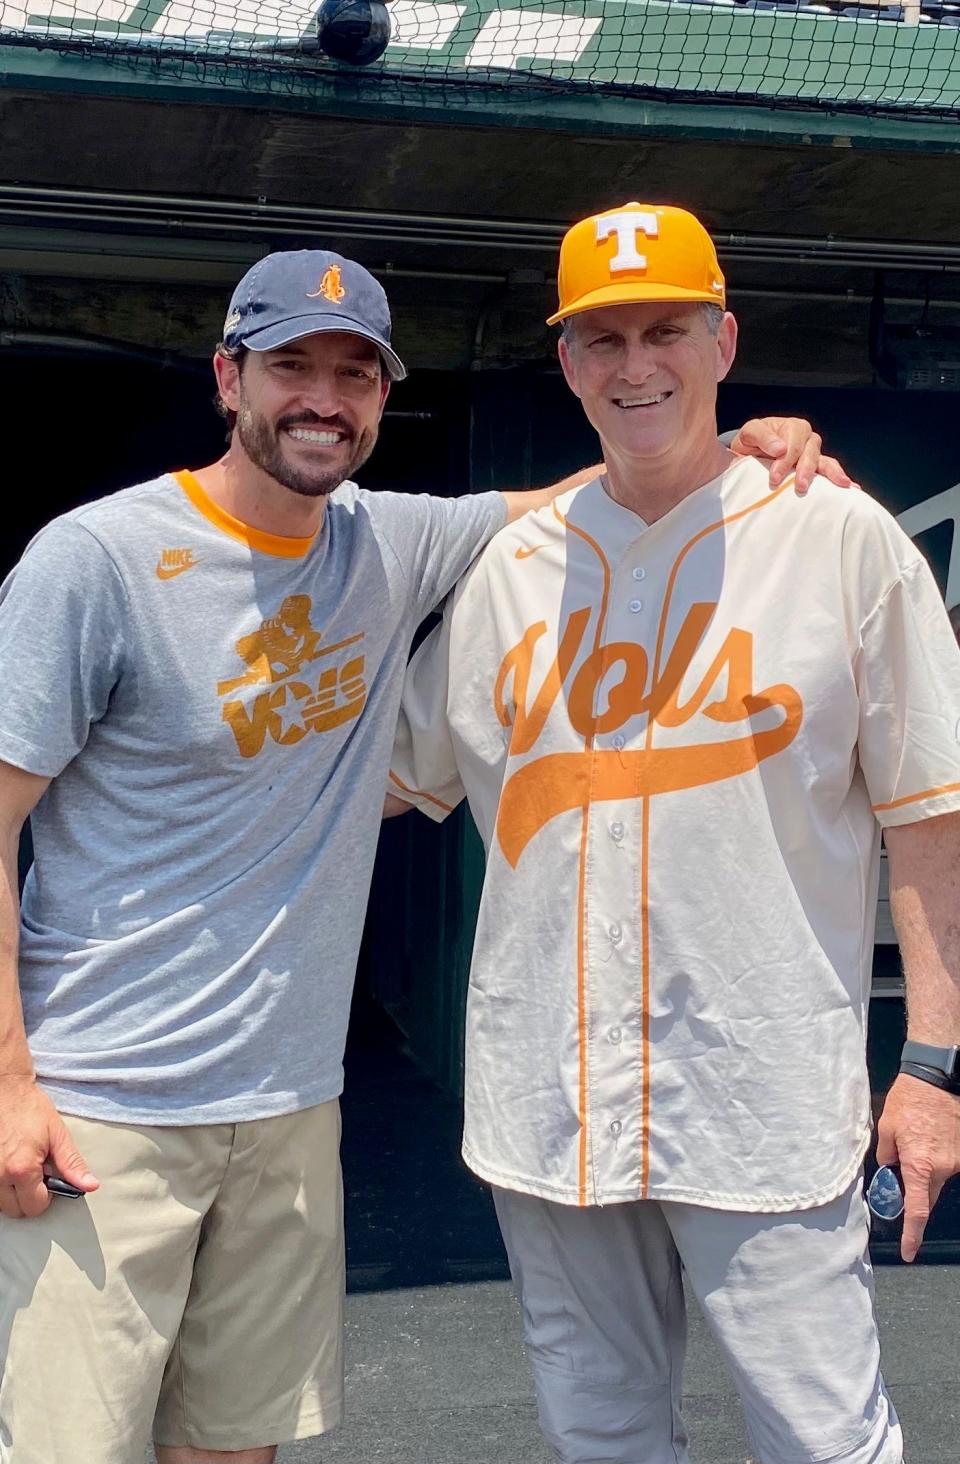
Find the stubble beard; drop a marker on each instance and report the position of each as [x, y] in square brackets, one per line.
[260, 440]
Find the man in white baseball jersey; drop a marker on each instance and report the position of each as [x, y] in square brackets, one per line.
[681, 720]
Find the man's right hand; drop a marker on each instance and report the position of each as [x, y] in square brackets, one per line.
[34, 1140]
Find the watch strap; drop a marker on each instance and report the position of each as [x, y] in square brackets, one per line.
[936, 1076]
[945, 1060]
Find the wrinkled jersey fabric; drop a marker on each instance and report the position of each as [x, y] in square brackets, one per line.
[680, 742]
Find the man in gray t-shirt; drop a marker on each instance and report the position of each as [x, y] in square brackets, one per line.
[201, 680]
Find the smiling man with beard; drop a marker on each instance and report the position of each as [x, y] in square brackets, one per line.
[202, 740]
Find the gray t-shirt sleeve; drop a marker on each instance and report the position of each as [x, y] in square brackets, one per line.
[436, 539]
[62, 624]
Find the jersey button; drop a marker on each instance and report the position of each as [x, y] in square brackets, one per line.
[639, 573]
[615, 932]
[616, 1128]
[616, 832]
[636, 605]
[615, 1035]
[618, 740]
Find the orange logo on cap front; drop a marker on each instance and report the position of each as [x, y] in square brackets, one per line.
[330, 287]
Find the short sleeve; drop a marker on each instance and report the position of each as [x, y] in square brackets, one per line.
[908, 677]
[423, 768]
[436, 539]
[62, 624]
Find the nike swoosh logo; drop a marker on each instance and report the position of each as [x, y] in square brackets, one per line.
[165, 573]
[525, 553]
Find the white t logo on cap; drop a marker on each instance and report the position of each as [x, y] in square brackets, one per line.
[627, 226]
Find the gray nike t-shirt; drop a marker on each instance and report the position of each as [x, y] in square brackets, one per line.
[216, 707]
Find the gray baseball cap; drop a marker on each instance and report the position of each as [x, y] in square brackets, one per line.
[302, 292]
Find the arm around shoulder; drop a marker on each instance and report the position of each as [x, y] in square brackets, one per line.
[527, 500]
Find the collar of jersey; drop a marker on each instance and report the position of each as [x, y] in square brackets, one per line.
[258, 539]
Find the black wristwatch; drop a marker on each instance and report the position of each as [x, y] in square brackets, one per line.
[937, 1065]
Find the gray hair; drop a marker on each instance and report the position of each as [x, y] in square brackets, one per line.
[712, 315]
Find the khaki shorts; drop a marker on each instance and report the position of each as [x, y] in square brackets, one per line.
[788, 1297]
[207, 1272]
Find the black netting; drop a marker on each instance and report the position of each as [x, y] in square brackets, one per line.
[871, 55]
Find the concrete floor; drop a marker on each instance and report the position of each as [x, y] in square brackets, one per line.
[438, 1376]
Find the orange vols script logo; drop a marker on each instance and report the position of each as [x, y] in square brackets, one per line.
[331, 286]
[294, 703]
[560, 781]
[175, 561]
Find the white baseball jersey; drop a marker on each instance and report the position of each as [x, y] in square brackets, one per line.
[680, 742]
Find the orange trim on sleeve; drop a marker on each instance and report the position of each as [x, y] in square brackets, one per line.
[415, 793]
[258, 539]
[645, 851]
[583, 1097]
[916, 797]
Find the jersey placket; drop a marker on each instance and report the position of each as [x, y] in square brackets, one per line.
[613, 895]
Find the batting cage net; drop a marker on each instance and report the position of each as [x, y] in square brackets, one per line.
[868, 55]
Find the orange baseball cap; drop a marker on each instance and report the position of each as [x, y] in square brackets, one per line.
[637, 252]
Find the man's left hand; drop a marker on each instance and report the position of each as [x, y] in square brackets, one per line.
[792, 445]
[919, 1129]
